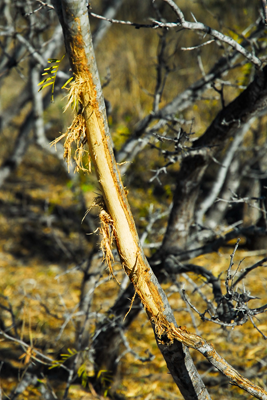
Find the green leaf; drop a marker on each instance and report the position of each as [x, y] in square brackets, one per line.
[81, 370]
[45, 80]
[52, 72]
[72, 352]
[87, 187]
[54, 60]
[47, 84]
[49, 73]
[65, 84]
[55, 365]
[101, 372]
[55, 67]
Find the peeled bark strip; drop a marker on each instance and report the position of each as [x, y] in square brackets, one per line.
[74, 19]
[115, 211]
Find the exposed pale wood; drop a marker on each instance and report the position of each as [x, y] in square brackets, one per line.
[171, 338]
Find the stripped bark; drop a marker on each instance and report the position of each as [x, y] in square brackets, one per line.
[116, 215]
[28, 92]
[75, 24]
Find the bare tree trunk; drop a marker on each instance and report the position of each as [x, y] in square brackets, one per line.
[227, 123]
[28, 93]
[75, 23]
[115, 215]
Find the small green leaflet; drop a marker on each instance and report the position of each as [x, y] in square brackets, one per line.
[58, 363]
[51, 73]
[66, 83]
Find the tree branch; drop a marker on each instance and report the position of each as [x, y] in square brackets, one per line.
[228, 121]
[115, 211]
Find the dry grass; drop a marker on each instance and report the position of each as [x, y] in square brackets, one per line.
[35, 288]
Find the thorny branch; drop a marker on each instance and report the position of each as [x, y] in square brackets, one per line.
[197, 26]
[194, 26]
[232, 309]
[43, 359]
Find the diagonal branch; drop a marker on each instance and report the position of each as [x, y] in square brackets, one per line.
[116, 215]
[260, 263]
[183, 100]
[115, 211]
[199, 27]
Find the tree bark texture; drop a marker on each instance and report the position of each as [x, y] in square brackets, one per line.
[74, 19]
[116, 216]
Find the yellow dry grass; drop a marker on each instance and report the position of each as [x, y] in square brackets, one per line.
[35, 288]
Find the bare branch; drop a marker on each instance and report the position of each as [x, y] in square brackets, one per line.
[197, 26]
[264, 6]
[249, 269]
[43, 359]
[197, 47]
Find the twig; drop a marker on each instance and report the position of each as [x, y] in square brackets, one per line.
[197, 47]
[117, 21]
[249, 269]
[195, 26]
[198, 26]
[150, 356]
[264, 6]
[43, 5]
[49, 360]
[229, 277]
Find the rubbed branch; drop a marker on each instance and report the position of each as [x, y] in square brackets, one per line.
[116, 217]
[115, 211]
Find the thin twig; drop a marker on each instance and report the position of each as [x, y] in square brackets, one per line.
[249, 269]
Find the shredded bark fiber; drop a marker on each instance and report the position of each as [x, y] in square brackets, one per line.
[76, 132]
